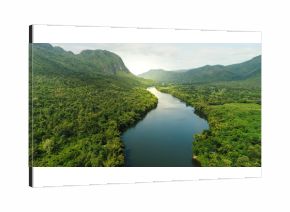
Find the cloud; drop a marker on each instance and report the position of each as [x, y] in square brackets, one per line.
[141, 57]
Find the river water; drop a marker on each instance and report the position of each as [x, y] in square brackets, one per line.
[164, 137]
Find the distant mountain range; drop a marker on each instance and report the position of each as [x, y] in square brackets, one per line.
[250, 69]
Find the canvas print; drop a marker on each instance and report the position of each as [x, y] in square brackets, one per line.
[145, 105]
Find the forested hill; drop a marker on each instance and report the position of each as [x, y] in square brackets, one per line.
[79, 106]
[88, 61]
[247, 70]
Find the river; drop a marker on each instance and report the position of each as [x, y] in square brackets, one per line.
[164, 137]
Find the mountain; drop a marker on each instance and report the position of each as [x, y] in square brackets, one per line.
[103, 60]
[209, 73]
[79, 105]
[88, 61]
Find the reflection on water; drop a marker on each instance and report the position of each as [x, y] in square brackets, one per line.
[164, 137]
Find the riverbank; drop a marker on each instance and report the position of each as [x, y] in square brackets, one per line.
[234, 138]
[152, 102]
[164, 137]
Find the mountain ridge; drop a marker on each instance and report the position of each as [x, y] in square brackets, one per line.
[208, 73]
[79, 104]
[95, 61]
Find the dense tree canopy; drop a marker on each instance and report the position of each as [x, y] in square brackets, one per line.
[81, 103]
[78, 109]
[233, 110]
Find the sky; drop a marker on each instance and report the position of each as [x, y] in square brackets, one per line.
[141, 57]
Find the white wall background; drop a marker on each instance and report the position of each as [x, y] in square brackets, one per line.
[269, 193]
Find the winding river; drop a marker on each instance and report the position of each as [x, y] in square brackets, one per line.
[164, 137]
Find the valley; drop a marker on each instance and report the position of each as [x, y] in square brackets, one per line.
[89, 110]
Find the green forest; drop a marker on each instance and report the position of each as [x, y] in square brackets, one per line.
[79, 106]
[233, 110]
[229, 98]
